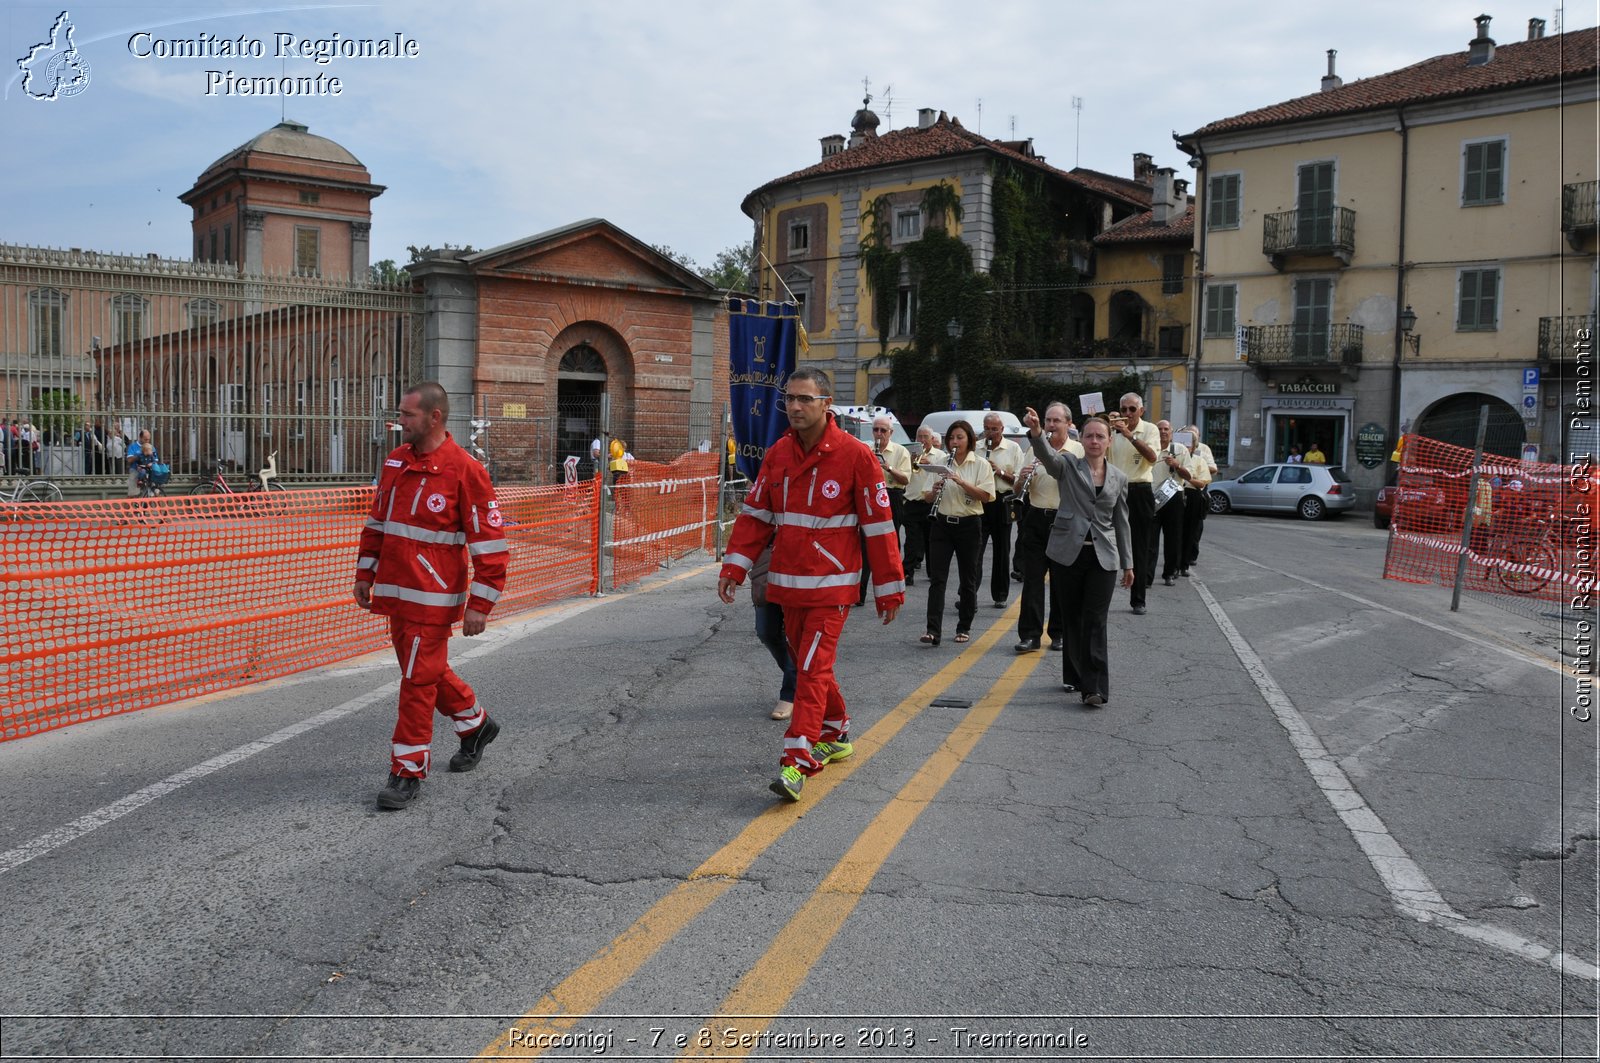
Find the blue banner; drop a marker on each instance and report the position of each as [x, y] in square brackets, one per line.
[762, 352]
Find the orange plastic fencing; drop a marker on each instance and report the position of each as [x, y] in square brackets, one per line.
[661, 512]
[114, 606]
[1533, 524]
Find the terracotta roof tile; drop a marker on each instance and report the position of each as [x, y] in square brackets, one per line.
[1140, 228]
[1514, 65]
[1123, 187]
[946, 138]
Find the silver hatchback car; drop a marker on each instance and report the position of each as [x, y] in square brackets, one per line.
[1313, 491]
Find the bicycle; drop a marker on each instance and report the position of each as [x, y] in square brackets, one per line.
[265, 480]
[32, 491]
[1522, 553]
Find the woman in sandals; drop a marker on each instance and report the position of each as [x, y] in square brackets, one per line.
[957, 528]
[1089, 544]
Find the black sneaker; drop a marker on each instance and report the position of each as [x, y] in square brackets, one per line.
[400, 792]
[472, 745]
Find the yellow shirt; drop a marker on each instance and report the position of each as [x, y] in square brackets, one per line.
[1044, 490]
[922, 481]
[1199, 470]
[1007, 458]
[894, 458]
[953, 501]
[1125, 456]
[1161, 471]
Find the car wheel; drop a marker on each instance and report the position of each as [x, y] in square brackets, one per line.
[1312, 508]
[1219, 502]
[1379, 521]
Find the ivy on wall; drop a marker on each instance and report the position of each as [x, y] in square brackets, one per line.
[1019, 309]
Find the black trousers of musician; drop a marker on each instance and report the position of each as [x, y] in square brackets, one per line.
[1086, 591]
[1033, 533]
[916, 544]
[897, 500]
[997, 530]
[962, 539]
[1141, 528]
[1170, 520]
[1195, 504]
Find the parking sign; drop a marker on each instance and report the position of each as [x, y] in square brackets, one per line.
[1530, 378]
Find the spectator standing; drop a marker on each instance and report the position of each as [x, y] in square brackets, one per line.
[958, 500]
[818, 490]
[918, 508]
[769, 629]
[1089, 543]
[1315, 456]
[1043, 497]
[434, 509]
[1004, 458]
[141, 455]
[1134, 442]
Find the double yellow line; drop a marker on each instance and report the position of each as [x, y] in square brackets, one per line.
[779, 973]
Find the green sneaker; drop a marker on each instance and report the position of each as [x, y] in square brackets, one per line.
[788, 783]
[828, 752]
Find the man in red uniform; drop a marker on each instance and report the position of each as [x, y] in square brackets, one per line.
[434, 509]
[821, 493]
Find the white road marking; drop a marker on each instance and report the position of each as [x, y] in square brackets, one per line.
[1413, 893]
[495, 638]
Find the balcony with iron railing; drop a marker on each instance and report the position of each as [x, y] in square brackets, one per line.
[1559, 339]
[1580, 205]
[1309, 233]
[1302, 345]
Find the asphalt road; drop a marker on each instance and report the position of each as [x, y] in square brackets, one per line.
[1321, 816]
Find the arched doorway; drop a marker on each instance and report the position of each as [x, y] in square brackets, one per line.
[1454, 420]
[1127, 317]
[580, 384]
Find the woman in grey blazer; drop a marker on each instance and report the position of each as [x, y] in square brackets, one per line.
[1089, 543]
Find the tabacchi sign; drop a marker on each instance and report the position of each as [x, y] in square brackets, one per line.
[283, 46]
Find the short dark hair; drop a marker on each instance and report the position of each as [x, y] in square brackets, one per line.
[972, 437]
[816, 376]
[430, 396]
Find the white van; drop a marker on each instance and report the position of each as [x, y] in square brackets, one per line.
[1010, 426]
[857, 420]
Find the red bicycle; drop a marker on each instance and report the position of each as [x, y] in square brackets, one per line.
[265, 480]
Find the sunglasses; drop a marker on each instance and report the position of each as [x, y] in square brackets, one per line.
[804, 400]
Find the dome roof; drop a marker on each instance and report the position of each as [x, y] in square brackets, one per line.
[864, 121]
[294, 140]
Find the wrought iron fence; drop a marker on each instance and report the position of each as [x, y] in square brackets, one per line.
[1557, 336]
[215, 364]
[1304, 344]
[1580, 206]
[1310, 232]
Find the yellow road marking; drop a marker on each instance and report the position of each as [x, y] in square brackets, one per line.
[586, 988]
[767, 987]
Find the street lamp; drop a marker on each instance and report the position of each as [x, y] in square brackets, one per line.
[1408, 322]
[953, 329]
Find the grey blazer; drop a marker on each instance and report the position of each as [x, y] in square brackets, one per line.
[1083, 513]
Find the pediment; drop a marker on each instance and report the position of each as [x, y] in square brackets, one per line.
[593, 252]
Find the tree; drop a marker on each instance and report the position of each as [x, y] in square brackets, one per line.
[730, 269]
[677, 256]
[387, 274]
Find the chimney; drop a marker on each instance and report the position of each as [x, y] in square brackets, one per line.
[1180, 192]
[1330, 80]
[832, 145]
[1162, 210]
[926, 117]
[1536, 29]
[1481, 48]
[1144, 168]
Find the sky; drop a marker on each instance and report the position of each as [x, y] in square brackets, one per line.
[517, 117]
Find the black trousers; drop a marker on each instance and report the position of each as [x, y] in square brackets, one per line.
[1033, 534]
[1169, 519]
[1195, 505]
[962, 540]
[917, 524]
[897, 498]
[1141, 526]
[1086, 591]
[997, 530]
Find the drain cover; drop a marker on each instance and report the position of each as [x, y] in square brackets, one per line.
[951, 703]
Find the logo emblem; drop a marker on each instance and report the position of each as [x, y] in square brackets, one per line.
[883, 497]
[55, 69]
[495, 519]
[436, 503]
[830, 489]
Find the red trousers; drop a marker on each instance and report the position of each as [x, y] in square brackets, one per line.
[426, 684]
[819, 713]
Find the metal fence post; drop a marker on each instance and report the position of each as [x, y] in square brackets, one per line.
[1472, 500]
[608, 571]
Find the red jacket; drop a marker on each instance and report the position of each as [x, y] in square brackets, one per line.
[819, 504]
[431, 512]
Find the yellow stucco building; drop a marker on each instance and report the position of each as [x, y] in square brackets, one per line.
[1391, 254]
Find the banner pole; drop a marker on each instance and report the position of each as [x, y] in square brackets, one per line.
[1472, 497]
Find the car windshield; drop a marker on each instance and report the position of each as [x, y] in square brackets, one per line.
[1338, 474]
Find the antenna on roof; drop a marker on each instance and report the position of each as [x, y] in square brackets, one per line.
[1555, 18]
[1013, 127]
[980, 115]
[1077, 132]
[866, 91]
[888, 107]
